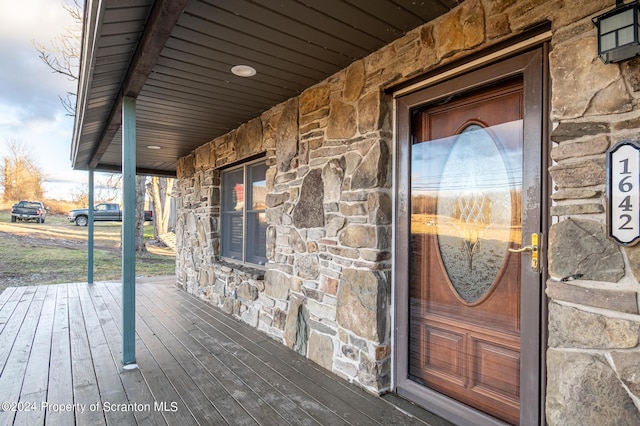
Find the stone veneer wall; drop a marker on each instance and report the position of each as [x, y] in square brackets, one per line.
[326, 291]
[593, 360]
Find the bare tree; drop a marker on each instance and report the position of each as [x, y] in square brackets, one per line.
[105, 192]
[141, 182]
[62, 55]
[111, 189]
[80, 195]
[21, 177]
[161, 191]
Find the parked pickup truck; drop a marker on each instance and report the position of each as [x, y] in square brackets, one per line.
[28, 210]
[104, 212]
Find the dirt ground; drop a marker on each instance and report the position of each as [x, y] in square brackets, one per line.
[56, 251]
[57, 233]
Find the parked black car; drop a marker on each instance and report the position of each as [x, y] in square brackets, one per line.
[28, 210]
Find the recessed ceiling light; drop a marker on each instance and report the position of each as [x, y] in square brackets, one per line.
[243, 71]
[153, 147]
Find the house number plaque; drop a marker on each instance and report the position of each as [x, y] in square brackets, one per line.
[623, 187]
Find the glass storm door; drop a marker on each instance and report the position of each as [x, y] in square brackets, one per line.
[466, 190]
[469, 182]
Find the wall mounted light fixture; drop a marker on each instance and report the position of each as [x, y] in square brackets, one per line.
[618, 32]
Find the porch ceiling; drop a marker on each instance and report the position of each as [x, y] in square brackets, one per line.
[175, 57]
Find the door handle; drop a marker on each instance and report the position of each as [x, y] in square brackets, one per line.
[533, 248]
[523, 249]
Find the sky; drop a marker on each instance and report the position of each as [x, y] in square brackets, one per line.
[30, 109]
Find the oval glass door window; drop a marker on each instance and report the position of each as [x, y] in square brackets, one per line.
[474, 212]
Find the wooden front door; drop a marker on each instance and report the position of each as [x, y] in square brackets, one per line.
[469, 168]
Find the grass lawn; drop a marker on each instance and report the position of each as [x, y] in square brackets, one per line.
[56, 252]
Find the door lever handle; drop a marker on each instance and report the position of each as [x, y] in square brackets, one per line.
[533, 248]
[523, 249]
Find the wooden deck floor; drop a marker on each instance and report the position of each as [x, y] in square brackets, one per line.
[60, 351]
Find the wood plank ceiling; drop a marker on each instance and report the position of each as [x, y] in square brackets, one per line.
[175, 57]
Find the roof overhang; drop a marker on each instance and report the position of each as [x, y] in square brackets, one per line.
[175, 58]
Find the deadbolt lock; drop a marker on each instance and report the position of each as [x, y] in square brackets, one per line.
[533, 248]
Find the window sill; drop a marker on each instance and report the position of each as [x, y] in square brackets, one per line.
[231, 267]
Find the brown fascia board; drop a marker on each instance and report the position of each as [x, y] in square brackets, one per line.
[163, 17]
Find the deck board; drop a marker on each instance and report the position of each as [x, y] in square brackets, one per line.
[322, 409]
[85, 383]
[135, 387]
[60, 386]
[160, 386]
[310, 381]
[62, 344]
[8, 302]
[172, 365]
[243, 385]
[15, 367]
[36, 378]
[315, 385]
[227, 381]
[106, 370]
[228, 408]
[13, 322]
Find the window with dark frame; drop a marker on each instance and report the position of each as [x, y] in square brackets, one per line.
[243, 214]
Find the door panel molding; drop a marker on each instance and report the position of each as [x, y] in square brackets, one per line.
[531, 66]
